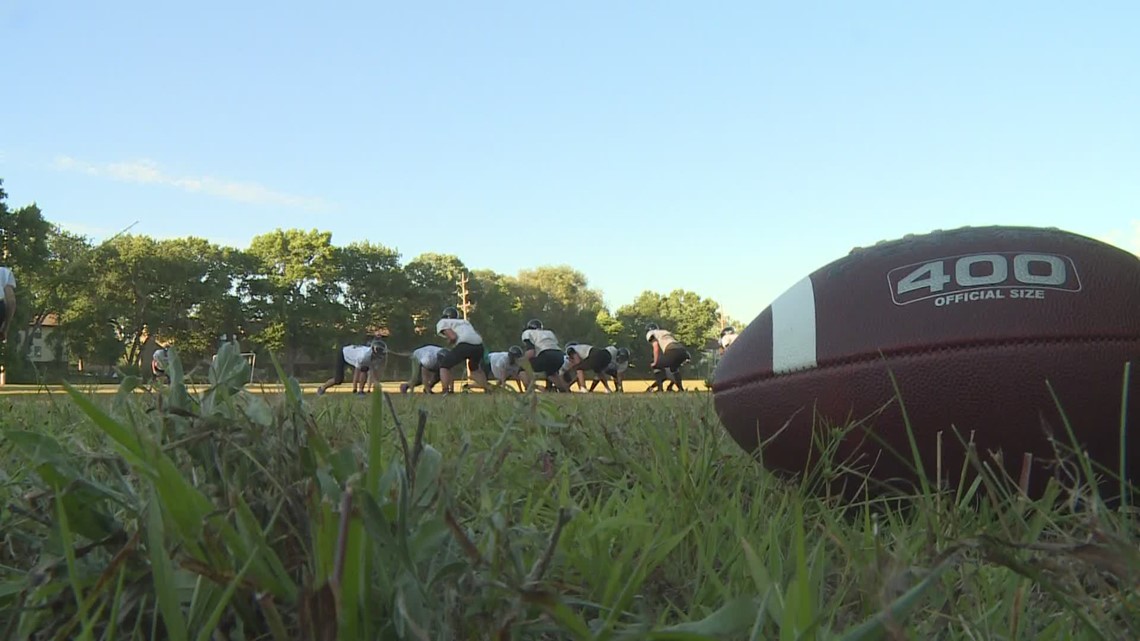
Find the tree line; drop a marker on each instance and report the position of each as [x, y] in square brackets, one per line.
[294, 293]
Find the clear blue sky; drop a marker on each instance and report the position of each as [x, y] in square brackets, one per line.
[728, 148]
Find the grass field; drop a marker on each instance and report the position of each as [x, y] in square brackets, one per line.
[392, 387]
[220, 514]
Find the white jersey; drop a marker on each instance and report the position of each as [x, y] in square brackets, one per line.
[464, 331]
[664, 338]
[581, 349]
[501, 367]
[614, 364]
[727, 340]
[7, 279]
[542, 339]
[161, 357]
[357, 355]
[428, 356]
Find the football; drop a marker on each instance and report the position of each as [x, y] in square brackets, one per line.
[992, 335]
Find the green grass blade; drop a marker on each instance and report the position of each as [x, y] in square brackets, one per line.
[72, 568]
[876, 627]
[162, 571]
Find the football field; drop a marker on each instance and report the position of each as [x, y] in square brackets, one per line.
[393, 387]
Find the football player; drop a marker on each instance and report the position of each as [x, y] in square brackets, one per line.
[7, 301]
[619, 363]
[502, 366]
[669, 355]
[540, 347]
[466, 345]
[584, 357]
[361, 358]
[425, 368]
[727, 336]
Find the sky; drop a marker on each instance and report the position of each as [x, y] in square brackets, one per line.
[727, 148]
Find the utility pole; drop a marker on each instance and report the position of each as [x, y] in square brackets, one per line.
[464, 304]
[464, 301]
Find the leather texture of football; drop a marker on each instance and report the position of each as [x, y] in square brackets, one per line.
[980, 327]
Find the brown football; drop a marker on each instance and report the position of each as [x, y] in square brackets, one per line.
[979, 327]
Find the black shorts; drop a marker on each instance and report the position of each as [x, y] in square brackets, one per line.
[548, 361]
[597, 361]
[672, 359]
[3, 308]
[473, 354]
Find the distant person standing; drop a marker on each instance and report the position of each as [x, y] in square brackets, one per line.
[7, 302]
[361, 358]
[465, 345]
[544, 354]
[669, 355]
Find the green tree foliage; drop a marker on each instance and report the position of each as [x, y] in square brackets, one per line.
[561, 297]
[375, 289]
[432, 280]
[497, 311]
[295, 294]
[692, 320]
[24, 249]
[23, 236]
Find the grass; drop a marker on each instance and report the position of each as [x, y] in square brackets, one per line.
[222, 514]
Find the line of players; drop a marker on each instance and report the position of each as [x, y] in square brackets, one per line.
[556, 366]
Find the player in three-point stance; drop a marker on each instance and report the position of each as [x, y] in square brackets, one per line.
[546, 358]
[7, 301]
[501, 366]
[727, 337]
[466, 345]
[425, 368]
[619, 363]
[668, 356]
[361, 358]
[584, 357]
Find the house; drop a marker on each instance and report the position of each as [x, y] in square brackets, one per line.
[41, 349]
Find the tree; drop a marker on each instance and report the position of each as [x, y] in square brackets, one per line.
[562, 298]
[432, 282]
[691, 319]
[375, 289]
[295, 292]
[497, 313]
[23, 236]
[24, 249]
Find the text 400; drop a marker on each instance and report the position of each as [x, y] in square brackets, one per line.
[933, 277]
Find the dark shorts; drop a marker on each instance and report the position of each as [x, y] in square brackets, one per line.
[672, 358]
[473, 354]
[597, 361]
[3, 308]
[548, 361]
